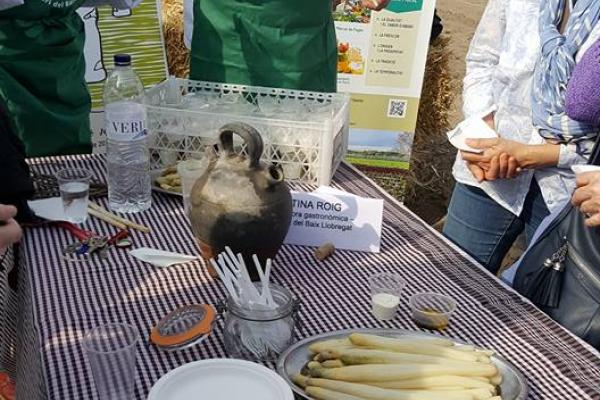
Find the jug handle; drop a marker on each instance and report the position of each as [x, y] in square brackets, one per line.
[252, 139]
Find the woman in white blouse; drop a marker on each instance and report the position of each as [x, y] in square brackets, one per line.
[525, 173]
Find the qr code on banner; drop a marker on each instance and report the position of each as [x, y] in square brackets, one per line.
[397, 108]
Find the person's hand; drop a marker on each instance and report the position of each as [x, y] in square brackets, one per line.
[499, 160]
[10, 231]
[493, 147]
[375, 5]
[504, 158]
[503, 166]
[477, 171]
[587, 197]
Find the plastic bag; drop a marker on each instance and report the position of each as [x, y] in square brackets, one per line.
[188, 22]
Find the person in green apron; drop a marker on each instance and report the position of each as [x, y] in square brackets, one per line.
[42, 69]
[273, 43]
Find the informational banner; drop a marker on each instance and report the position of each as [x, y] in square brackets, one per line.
[111, 31]
[381, 63]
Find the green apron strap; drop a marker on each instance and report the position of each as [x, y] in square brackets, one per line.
[42, 69]
[273, 43]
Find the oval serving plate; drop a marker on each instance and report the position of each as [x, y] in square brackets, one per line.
[221, 379]
[155, 174]
[513, 387]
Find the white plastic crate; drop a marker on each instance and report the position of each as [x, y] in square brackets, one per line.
[305, 132]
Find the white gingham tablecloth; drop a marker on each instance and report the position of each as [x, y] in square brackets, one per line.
[62, 300]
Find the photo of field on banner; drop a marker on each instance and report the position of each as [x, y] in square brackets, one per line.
[381, 63]
[111, 31]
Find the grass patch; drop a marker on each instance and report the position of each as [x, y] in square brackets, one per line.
[370, 162]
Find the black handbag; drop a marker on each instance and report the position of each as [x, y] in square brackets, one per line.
[560, 272]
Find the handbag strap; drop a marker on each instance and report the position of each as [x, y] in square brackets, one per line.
[595, 156]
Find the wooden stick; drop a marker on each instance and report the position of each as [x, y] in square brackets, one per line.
[122, 220]
[106, 218]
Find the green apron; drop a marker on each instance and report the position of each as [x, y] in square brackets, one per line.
[42, 76]
[273, 43]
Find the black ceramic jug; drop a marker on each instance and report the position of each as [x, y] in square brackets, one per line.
[239, 202]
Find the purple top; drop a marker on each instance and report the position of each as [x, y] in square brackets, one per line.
[583, 90]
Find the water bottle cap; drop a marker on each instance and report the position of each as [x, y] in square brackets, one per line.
[122, 60]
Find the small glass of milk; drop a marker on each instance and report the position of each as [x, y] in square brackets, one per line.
[385, 295]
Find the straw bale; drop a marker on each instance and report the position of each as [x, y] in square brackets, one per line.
[177, 54]
[429, 182]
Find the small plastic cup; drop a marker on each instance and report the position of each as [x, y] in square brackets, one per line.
[432, 310]
[111, 353]
[74, 185]
[189, 171]
[385, 295]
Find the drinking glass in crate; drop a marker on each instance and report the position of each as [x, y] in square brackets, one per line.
[257, 334]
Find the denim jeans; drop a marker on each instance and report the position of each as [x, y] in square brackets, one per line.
[486, 230]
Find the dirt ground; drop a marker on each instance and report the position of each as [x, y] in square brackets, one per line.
[460, 19]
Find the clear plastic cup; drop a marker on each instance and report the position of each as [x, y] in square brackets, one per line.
[385, 295]
[432, 310]
[111, 353]
[189, 171]
[74, 186]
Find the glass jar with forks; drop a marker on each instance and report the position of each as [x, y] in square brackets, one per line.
[256, 333]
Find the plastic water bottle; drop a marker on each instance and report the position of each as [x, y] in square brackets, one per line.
[128, 162]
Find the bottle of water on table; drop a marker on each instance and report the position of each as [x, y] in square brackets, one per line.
[128, 162]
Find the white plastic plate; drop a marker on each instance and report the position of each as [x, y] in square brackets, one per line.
[470, 128]
[221, 379]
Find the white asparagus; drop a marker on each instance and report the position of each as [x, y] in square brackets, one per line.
[326, 355]
[482, 358]
[478, 394]
[325, 394]
[471, 348]
[434, 382]
[318, 347]
[465, 347]
[437, 341]
[496, 379]
[300, 380]
[443, 388]
[332, 364]
[375, 393]
[314, 365]
[392, 372]
[357, 356]
[402, 346]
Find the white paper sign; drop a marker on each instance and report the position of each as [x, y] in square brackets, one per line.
[347, 221]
